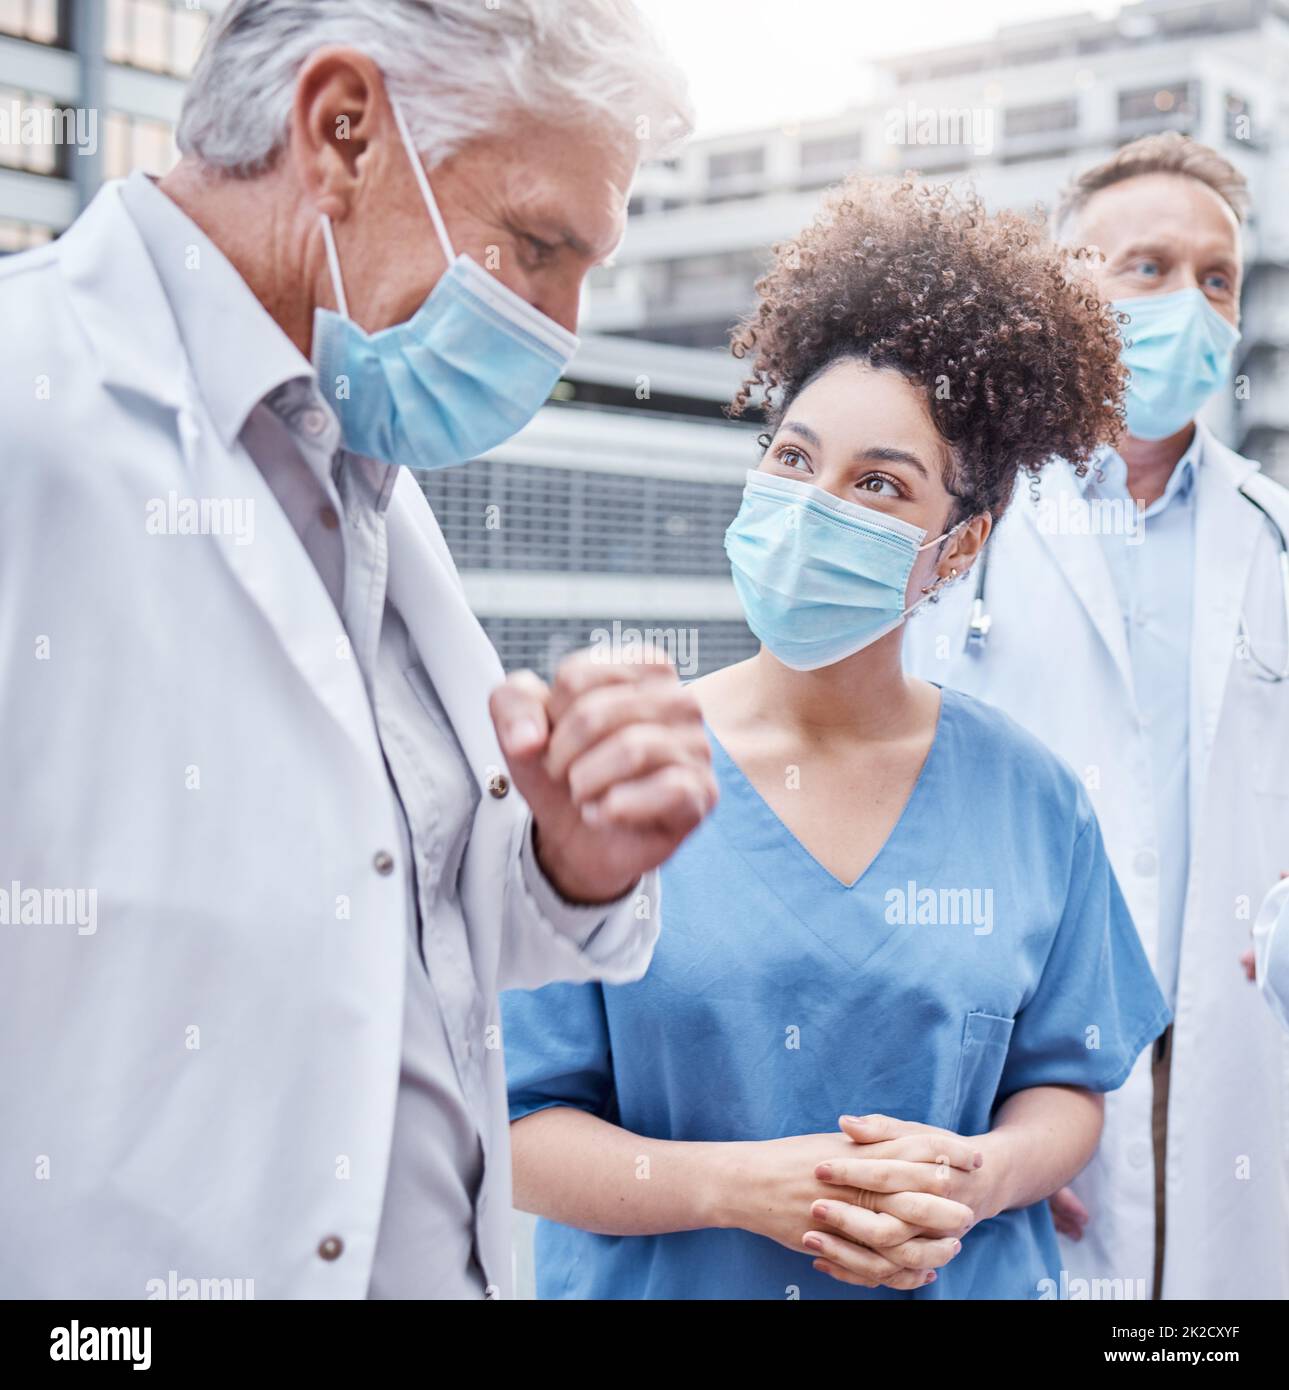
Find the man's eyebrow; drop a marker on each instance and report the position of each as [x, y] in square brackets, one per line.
[552, 232]
[568, 237]
[1147, 248]
[1219, 255]
[885, 453]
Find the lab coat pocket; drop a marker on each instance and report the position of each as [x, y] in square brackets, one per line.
[985, 1039]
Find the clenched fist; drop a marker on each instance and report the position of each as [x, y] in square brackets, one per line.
[613, 761]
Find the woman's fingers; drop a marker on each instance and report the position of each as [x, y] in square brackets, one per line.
[910, 1279]
[884, 1137]
[857, 1259]
[887, 1175]
[925, 1210]
[876, 1229]
[921, 1253]
[893, 1239]
[931, 1147]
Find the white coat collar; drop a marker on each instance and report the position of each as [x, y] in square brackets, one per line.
[115, 292]
[120, 300]
[166, 311]
[1057, 492]
[1225, 527]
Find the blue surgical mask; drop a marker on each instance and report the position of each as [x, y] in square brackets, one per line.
[468, 370]
[819, 578]
[1178, 350]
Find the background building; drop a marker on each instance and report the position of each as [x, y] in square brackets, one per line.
[121, 64]
[1019, 112]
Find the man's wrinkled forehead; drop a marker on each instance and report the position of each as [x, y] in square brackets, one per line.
[1164, 208]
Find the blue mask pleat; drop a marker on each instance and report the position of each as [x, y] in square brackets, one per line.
[458, 378]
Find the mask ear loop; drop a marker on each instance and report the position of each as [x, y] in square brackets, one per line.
[423, 181]
[328, 234]
[930, 589]
[333, 264]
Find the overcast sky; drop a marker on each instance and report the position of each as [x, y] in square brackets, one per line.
[768, 62]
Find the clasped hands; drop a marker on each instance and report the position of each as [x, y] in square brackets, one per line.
[887, 1205]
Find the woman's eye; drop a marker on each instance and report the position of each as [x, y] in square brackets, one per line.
[1150, 269]
[878, 486]
[792, 458]
[1218, 282]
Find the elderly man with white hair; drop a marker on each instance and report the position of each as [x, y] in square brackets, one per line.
[274, 829]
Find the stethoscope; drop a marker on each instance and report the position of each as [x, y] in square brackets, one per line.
[981, 619]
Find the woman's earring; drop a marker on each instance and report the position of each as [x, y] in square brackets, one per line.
[944, 579]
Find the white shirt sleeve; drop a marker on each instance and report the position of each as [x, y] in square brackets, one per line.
[549, 939]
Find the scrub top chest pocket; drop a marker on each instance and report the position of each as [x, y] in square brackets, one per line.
[985, 1040]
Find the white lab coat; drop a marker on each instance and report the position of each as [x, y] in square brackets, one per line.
[202, 1078]
[1056, 660]
[1271, 943]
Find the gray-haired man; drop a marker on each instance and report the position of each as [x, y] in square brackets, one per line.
[260, 736]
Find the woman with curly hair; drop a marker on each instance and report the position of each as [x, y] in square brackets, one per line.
[901, 912]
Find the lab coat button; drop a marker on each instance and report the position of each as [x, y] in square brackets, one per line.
[1146, 862]
[314, 421]
[331, 1248]
[383, 863]
[498, 784]
[329, 519]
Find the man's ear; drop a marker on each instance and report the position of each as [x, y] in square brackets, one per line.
[340, 107]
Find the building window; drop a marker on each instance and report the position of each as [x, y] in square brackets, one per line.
[736, 164]
[21, 236]
[1042, 117]
[576, 521]
[832, 151]
[33, 133]
[40, 21]
[134, 142]
[1163, 107]
[159, 35]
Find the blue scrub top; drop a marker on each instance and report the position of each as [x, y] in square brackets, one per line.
[985, 950]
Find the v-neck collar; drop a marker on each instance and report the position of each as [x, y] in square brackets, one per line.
[767, 830]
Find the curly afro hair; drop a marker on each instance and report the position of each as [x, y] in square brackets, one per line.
[1016, 352]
